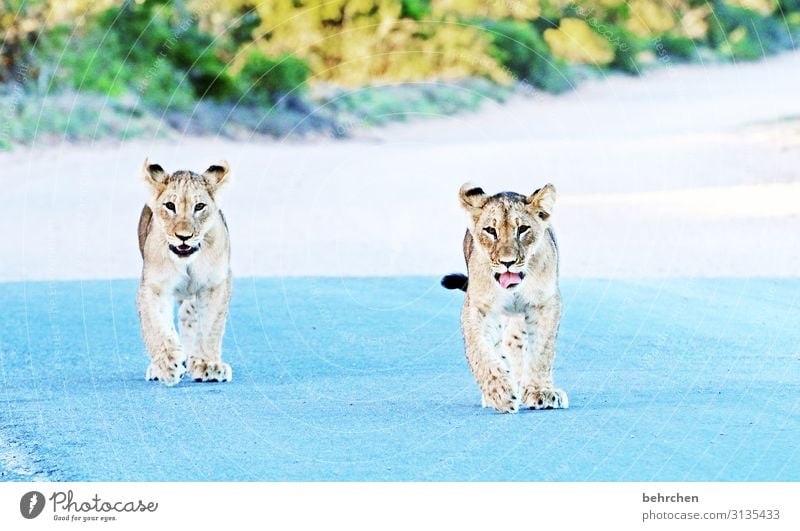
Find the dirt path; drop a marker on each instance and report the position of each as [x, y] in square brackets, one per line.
[689, 171]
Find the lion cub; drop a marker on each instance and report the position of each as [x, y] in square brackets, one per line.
[185, 245]
[512, 309]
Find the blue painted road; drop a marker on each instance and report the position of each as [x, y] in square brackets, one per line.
[365, 379]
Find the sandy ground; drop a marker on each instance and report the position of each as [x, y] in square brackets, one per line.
[689, 171]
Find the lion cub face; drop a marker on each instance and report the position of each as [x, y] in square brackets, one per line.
[183, 205]
[508, 228]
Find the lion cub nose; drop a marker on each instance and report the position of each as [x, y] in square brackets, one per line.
[508, 263]
[183, 237]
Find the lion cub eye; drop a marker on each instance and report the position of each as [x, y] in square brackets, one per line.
[522, 229]
[491, 231]
[199, 206]
[170, 206]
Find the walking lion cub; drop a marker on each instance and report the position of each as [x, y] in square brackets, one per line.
[512, 309]
[185, 245]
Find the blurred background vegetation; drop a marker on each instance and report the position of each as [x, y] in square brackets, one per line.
[86, 68]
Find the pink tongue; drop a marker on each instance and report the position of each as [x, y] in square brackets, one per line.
[509, 279]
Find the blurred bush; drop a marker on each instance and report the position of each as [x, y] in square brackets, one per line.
[155, 49]
[745, 34]
[648, 17]
[176, 53]
[355, 43]
[574, 41]
[262, 77]
[520, 47]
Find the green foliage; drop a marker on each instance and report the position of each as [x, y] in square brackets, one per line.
[626, 47]
[156, 49]
[743, 34]
[99, 61]
[521, 49]
[415, 9]
[264, 78]
[246, 21]
[676, 47]
[157, 29]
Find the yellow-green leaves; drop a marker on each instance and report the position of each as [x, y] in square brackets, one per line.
[649, 17]
[575, 42]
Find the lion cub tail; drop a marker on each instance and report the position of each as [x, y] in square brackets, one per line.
[455, 281]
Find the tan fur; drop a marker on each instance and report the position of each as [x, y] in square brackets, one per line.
[510, 334]
[200, 282]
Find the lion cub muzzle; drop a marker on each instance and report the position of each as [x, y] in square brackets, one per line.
[508, 272]
[508, 279]
[184, 249]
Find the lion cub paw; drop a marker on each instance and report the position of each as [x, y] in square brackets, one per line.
[501, 396]
[548, 398]
[214, 371]
[167, 370]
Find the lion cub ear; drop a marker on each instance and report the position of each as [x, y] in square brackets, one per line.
[154, 174]
[217, 174]
[542, 201]
[472, 197]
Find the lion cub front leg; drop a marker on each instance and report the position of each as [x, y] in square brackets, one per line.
[211, 310]
[492, 371]
[542, 327]
[160, 337]
[187, 319]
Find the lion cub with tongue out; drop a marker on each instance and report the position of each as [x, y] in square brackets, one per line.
[512, 310]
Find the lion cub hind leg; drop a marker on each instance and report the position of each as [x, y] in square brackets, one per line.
[538, 390]
[211, 310]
